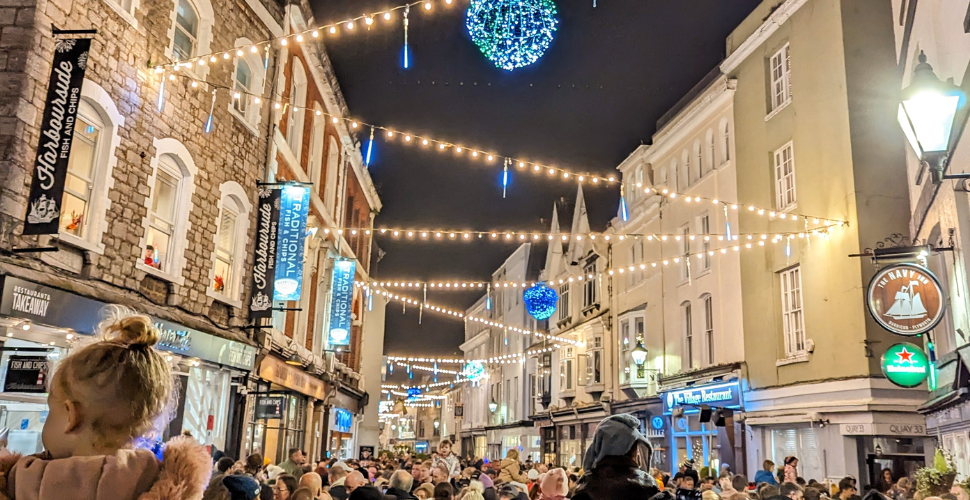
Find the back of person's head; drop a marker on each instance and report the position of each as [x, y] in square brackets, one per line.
[401, 480]
[846, 483]
[216, 490]
[739, 482]
[710, 495]
[787, 489]
[800, 481]
[427, 488]
[302, 494]
[254, 463]
[366, 493]
[512, 453]
[443, 491]
[224, 464]
[118, 387]
[768, 491]
[812, 493]
[311, 481]
[768, 465]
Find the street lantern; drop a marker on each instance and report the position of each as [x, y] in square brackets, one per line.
[437, 423]
[926, 114]
[492, 406]
[639, 355]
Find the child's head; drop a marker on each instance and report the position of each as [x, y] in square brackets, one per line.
[106, 394]
[444, 448]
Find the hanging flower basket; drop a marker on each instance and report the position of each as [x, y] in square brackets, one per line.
[937, 479]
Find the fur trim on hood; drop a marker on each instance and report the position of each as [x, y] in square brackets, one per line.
[126, 475]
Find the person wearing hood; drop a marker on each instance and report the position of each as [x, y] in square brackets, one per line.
[611, 463]
[509, 468]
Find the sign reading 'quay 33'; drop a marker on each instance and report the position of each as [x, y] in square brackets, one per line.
[56, 135]
[906, 299]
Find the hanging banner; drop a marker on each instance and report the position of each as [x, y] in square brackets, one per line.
[264, 264]
[294, 206]
[56, 135]
[341, 301]
[906, 299]
[905, 365]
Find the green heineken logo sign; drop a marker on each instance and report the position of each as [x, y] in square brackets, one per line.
[905, 365]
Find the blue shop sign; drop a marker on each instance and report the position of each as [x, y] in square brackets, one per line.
[185, 341]
[342, 420]
[294, 207]
[341, 302]
[657, 422]
[720, 395]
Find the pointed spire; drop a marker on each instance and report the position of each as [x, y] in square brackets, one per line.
[554, 252]
[580, 226]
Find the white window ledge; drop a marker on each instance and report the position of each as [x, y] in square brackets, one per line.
[777, 110]
[127, 16]
[178, 280]
[798, 357]
[80, 243]
[222, 298]
[242, 119]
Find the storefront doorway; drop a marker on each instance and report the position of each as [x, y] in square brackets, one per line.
[278, 424]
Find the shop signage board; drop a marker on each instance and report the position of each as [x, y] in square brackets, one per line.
[906, 299]
[459, 412]
[883, 429]
[27, 374]
[56, 135]
[294, 207]
[905, 364]
[274, 370]
[270, 406]
[657, 423]
[341, 302]
[49, 306]
[185, 341]
[343, 420]
[264, 263]
[721, 395]
[366, 453]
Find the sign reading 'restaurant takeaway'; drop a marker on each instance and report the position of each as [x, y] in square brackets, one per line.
[56, 135]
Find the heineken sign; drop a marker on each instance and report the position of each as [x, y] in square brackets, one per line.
[905, 365]
[906, 299]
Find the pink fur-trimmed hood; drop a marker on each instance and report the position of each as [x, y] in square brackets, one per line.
[126, 475]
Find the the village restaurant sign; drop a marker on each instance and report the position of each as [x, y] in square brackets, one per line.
[906, 299]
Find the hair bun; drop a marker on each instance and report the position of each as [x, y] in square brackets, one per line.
[137, 330]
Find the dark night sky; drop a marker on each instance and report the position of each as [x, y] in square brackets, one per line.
[610, 73]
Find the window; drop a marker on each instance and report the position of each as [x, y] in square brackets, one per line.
[631, 279]
[725, 141]
[594, 365]
[242, 84]
[780, 67]
[685, 253]
[698, 160]
[515, 398]
[662, 176]
[709, 327]
[638, 331]
[625, 335]
[545, 375]
[563, 301]
[792, 318]
[297, 100]
[161, 216]
[316, 147]
[706, 246]
[566, 369]
[166, 222]
[711, 162]
[186, 39]
[784, 178]
[688, 338]
[674, 176]
[230, 243]
[330, 190]
[683, 180]
[589, 286]
[81, 169]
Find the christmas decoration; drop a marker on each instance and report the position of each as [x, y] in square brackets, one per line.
[512, 33]
[540, 301]
[474, 371]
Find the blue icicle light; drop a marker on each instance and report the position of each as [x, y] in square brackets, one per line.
[512, 33]
[540, 301]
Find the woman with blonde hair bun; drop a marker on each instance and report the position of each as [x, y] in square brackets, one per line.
[103, 397]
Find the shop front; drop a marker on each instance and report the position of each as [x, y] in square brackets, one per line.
[947, 411]
[701, 424]
[341, 433]
[653, 425]
[282, 411]
[524, 439]
[565, 434]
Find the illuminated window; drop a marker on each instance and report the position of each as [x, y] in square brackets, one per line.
[81, 170]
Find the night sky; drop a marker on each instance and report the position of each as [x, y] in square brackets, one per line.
[610, 73]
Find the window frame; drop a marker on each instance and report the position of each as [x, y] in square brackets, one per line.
[704, 222]
[192, 37]
[158, 222]
[685, 271]
[251, 115]
[595, 352]
[567, 370]
[725, 133]
[232, 197]
[299, 84]
[203, 39]
[786, 195]
[89, 116]
[563, 303]
[779, 73]
[708, 301]
[793, 315]
[589, 286]
[688, 335]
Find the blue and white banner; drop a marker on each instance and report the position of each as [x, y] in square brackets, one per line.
[719, 395]
[341, 302]
[294, 206]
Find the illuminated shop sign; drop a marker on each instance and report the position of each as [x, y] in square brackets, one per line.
[294, 207]
[341, 301]
[722, 395]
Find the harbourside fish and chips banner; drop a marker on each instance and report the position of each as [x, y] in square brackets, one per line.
[264, 264]
[56, 135]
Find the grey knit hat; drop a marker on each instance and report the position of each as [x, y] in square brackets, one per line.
[614, 436]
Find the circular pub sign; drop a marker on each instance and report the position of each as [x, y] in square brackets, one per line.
[905, 365]
[906, 299]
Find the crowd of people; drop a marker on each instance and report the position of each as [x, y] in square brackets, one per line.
[105, 397]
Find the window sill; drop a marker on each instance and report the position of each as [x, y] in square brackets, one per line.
[595, 387]
[798, 357]
[127, 16]
[777, 110]
[788, 209]
[702, 273]
[178, 280]
[80, 243]
[222, 298]
[241, 118]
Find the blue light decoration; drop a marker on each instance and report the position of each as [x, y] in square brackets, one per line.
[624, 213]
[212, 107]
[474, 371]
[294, 207]
[370, 148]
[512, 33]
[407, 57]
[505, 178]
[540, 301]
[341, 299]
[413, 393]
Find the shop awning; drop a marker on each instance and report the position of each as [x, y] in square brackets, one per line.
[952, 379]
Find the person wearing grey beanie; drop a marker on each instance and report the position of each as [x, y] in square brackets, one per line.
[611, 463]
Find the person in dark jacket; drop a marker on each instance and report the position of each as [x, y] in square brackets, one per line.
[611, 463]
[399, 487]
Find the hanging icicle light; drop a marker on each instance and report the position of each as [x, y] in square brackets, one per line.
[370, 148]
[212, 107]
[407, 57]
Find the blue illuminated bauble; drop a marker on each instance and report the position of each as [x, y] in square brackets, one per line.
[540, 301]
[474, 371]
[512, 33]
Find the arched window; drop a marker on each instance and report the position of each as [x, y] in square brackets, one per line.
[229, 253]
[683, 180]
[674, 175]
[248, 79]
[698, 160]
[710, 162]
[169, 203]
[242, 84]
[688, 337]
[316, 146]
[725, 133]
[297, 100]
[186, 40]
[709, 326]
[333, 162]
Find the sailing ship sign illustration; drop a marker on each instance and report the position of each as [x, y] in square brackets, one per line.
[906, 299]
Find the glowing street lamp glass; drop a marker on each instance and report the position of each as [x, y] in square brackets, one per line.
[927, 110]
[639, 355]
[492, 406]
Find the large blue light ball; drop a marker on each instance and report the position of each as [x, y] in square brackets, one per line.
[512, 33]
[540, 301]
